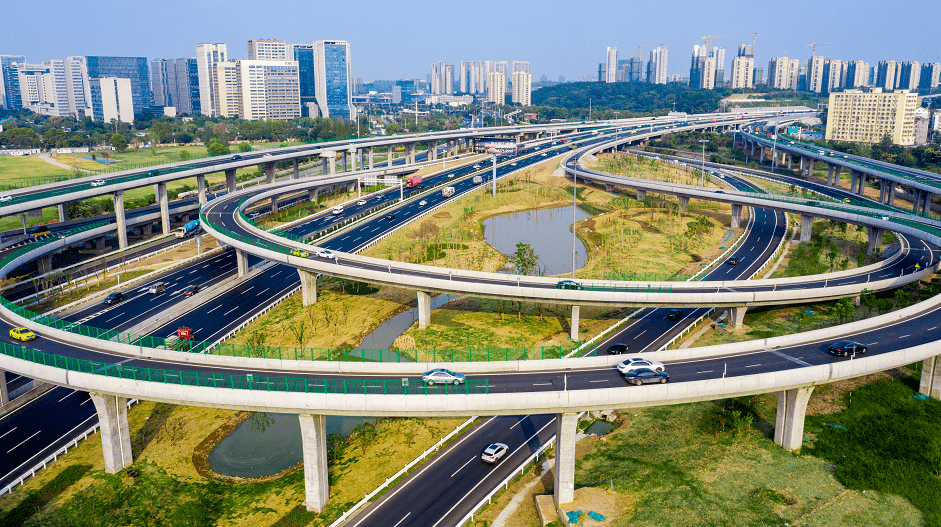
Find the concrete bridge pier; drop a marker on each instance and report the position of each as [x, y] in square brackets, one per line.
[737, 315]
[63, 212]
[641, 195]
[115, 433]
[790, 158]
[890, 193]
[424, 309]
[44, 263]
[308, 287]
[160, 193]
[269, 178]
[297, 169]
[736, 216]
[684, 202]
[829, 175]
[854, 178]
[99, 243]
[120, 221]
[761, 154]
[432, 150]
[241, 262]
[391, 149]
[360, 156]
[312, 195]
[323, 164]
[345, 162]
[314, 444]
[372, 159]
[573, 326]
[800, 170]
[861, 190]
[789, 421]
[201, 189]
[930, 384]
[4, 394]
[875, 239]
[230, 180]
[807, 225]
[565, 429]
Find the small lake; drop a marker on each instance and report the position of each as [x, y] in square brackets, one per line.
[547, 231]
[269, 443]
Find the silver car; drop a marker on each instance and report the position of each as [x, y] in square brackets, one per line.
[494, 452]
[442, 376]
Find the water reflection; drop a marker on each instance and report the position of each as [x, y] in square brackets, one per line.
[547, 231]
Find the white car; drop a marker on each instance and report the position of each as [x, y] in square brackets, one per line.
[325, 253]
[450, 176]
[97, 182]
[266, 155]
[422, 203]
[337, 210]
[543, 154]
[512, 164]
[494, 452]
[476, 166]
[636, 363]
[361, 202]
[4, 199]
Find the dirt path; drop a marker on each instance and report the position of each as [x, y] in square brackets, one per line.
[53, 162]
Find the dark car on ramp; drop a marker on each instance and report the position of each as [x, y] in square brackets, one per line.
[646, 376]
[617, 349]
[735, 260]
[842, 348]
[114, 298]
[674, 314]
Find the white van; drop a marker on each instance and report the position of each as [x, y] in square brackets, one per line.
[338, 210]
[157, 288]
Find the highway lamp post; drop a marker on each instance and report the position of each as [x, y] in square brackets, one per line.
[774, 149]
[702, 170]
[574, 205]
[493, 160]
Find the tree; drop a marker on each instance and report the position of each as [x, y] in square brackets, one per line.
[844, 309]
[298, 329]
[867, 298]
[216, 148]
[162, 131]
[118, 142]
[245, 147]
[525, 259]
[185, 155]
[365, 434]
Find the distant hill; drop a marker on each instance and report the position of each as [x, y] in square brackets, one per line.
[634, 97]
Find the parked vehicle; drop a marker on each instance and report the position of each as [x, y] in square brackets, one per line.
[187, 230]
[494, 452]
[843, 348]
[157, 288]
[636, 363]
[412, 181]
[22, 334]
[442, 376]
[447, 192]
[478, 180]
[114, 298]
[646, 376]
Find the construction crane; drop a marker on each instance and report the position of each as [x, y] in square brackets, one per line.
[813, 50]
[707, 41]
[754, 40]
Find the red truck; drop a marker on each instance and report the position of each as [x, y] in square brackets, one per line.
[413, 181]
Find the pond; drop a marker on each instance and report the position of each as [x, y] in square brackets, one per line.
[547, 231]
[383, 336]
[269, 443]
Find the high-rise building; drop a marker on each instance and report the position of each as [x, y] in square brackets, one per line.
[43, 87]
[702, 69]
[832, 78]
[496, 91]
[930, 74]
[522, 88]
[885, 75]
[910, 76]
[78, 87]
[465, 77]
[561, 78]
[746, 50]
[112, 98]
[10, 82]
[657, 65]
[759, 77]
[520, 66]
[267, 49]
[186, 92]
[783, 73]
[629, 70]
[718, 55]
[160, 71]
[449, 79]
[133, 68]
[743, 71]
[857, 74]
[602, 72]
[227, 82]
[503, 67]
[333, 65]
[866, 116]
[304, 55]
[269, 90]
[611, 65]
[815, 80]
[207, 56]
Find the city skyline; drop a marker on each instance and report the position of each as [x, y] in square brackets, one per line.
[382, 53]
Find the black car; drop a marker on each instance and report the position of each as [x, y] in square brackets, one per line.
[735, 260]
[236, 157]
[390, 217]
[617, 349]
[114, 298]
[843, 348]
[674, 314]
[646, 376]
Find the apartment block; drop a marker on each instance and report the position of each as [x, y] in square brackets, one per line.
[267, 49]
[496, 87]
[207, 56]
[866, 116]
[522, 88]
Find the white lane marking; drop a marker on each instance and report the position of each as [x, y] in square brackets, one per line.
[464, 465]
[904, 336]
[85, 401]
[8, 431]
[263, 291]
[790, 358]
[64, 398]
[704, 371]
[753, 365]
[402, 520]
[542, 384]
[872, 344]
[249, 289]
[602, 380]
[930, 329]
[213, 309]
[229, 311]
[641, 333]
[23, 441]
[521, 420]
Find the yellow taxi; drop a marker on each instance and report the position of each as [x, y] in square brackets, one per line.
[847, 200]
[299, 253]
[22, 334]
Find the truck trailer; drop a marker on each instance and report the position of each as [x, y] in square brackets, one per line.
[187, 230]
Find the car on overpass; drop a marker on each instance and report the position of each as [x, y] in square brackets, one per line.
[636, 363]
[442, 376]
[325, 253]
[617, 348]
[22, 334]
[114, 298]
[674, 314]
[299, 253]
[97, 182]
[568, 284]
[842, 348]
[646, 376]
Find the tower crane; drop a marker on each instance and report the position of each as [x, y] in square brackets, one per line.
[707, 40]
[813, 47]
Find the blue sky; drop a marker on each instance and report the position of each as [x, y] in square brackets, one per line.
[401, 39]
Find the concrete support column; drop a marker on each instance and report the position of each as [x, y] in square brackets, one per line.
[372, 160]
[115, 433]
[119, 218]
[875, 240]
[926, 206]
[789, 421]
[565, 429]
[269, 178]
[45, 263]
[736, 216]
[230, 180]
[641, 195]
[862, 184]
[201, 189]
[930, 384]
[684, 202]
[854, 177]
[160, 191]
[573, 327]
[761, 155]
[333, 164]
[890, 194]
[800, 170]
[432, 151]
[323, 168]
[410, 153]
[360, 156]
[837, 170]
[99, 243]
[316, 477]
[5, 395]
[789, 159]
[737, 315]
[63, 212]
[829, 174]
[308, 287]
[297, 169]
[389, 157]
[241, 262]
[345, 161]
[312, 195]
[810, 166]
[807, 225]
[424, 309]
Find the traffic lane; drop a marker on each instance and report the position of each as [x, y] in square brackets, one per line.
[446, 488]
[14, 382]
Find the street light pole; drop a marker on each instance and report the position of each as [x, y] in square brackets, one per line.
[574, 204]
[774, 149]
[702, 170]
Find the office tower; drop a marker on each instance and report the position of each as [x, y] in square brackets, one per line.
[227, 88]
[520, 66]
[269, 90]
[522, 88]
[910, 77]
[832, 77]
[133, 68]
[267, 49]
[611, 65]
[783, 73]
[207, 56]
[602, 72]
[702, 69]
[184, 88]
[496, 87]
[464, 77]
[9, 82]
[78, 87]
[449, 79]
[866, 116]
[929, 77]
[885, 76]
[160, 70]
[759, 76]
[657, 65]
[743, 71]
[561, 78]
[718, 54]
[43, 87]
[815, 81]
[112, 98]
[857, 74]
[304, 55]
[332, 65]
